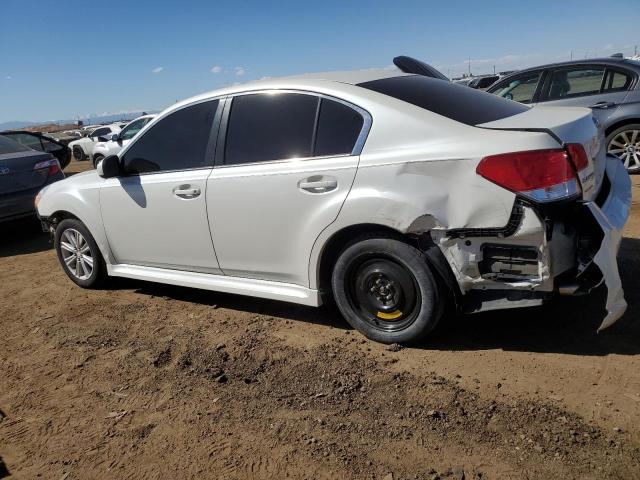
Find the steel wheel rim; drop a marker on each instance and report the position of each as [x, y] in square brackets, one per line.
[377, 277]
[76, 254]
[626, 146]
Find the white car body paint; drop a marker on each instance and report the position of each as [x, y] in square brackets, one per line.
[257, 233]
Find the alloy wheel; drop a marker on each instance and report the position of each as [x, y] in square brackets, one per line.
[626, 146]
[76, 254]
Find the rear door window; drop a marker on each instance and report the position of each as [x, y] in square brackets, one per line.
[459, 103]
[576, 82]
[270, 126]
[179, 141]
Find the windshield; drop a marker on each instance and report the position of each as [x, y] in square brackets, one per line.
[134, 127]
[459, 103]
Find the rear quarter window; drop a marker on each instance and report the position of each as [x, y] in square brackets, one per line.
[459, 103]
[10, 146]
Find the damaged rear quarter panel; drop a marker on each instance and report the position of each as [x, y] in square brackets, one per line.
[429, 186]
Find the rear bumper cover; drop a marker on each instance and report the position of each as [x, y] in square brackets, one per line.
[611, 218]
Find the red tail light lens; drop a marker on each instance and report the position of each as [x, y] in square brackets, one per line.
[52, 165]
[541, 175]
[578, 156]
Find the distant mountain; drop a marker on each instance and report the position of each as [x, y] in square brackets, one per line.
[16, 124]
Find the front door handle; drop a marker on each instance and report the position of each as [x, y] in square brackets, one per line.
[186, 191]
[322, 185]
[603, 105]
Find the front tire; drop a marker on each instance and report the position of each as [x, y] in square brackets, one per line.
[79, 254]
[386, 290]
[624, 143]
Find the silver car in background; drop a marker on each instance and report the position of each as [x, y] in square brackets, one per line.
[609, 86]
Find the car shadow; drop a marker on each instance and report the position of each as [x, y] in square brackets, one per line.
[322, 316]
[22, 236]
[566, 325]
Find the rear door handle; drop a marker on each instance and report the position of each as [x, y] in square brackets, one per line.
[603, 105]
[186, 191]
[318, 186]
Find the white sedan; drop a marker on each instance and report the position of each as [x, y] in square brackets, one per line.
[119, 140]
[83, 147]
[400, 197]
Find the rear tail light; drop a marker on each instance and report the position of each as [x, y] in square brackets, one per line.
[52, 166]
[578, 156]
[540, 175]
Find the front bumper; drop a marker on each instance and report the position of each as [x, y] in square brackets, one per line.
[611, 217]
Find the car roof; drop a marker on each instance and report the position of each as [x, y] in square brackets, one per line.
[587, 61]
[305, 81]
[352, 77]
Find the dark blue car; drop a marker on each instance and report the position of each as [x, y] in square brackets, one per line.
[23, 172]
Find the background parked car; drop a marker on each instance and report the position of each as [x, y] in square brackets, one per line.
[67, 136]
[43, 143]
[609, 86]
[119, 140]
[83, 148]
[23, 172]
[483, 82]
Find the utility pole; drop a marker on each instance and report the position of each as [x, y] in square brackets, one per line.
[494, 69]
[571, 55]
[469, 64]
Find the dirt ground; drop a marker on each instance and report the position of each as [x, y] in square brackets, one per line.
[140, 380]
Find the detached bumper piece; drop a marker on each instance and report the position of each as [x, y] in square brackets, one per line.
[611, 217]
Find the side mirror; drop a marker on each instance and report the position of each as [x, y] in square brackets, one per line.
[109, 167]
[115, 137]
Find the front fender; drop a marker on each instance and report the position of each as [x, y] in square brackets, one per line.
[81, 201]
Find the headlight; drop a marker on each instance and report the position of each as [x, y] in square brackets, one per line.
[37, 199]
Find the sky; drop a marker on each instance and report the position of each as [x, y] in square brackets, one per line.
[64, 59]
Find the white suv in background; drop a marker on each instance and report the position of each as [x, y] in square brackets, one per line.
[119, 140]
[83, 147]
